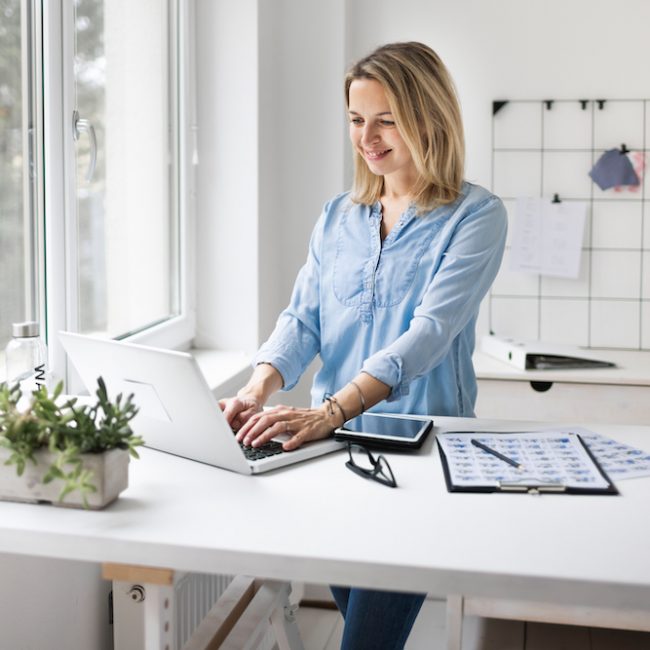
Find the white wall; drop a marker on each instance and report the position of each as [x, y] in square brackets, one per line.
[271, 124]
[302, 129]
[227, 183]
[53, 605]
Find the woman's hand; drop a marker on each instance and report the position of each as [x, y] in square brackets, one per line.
[302, 425]
[238, 410]
[264, 381]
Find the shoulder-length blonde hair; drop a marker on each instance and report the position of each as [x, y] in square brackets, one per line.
[423, 101]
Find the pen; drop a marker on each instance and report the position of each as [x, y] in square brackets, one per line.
[494, 452]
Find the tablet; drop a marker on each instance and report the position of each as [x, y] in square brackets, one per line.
[385, 431]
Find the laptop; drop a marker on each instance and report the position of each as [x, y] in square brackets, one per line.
[178, 412]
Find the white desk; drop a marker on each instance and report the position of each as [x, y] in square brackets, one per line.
[318, 522]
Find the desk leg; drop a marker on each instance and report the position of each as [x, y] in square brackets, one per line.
[454, 622]
[143, 607]
[270, 603]
[283, 620]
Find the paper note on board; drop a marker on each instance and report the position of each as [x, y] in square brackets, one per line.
[548, 237]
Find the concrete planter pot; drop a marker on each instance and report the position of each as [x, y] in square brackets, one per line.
[110, 476]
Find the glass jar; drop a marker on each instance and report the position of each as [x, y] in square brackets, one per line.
[26, 357]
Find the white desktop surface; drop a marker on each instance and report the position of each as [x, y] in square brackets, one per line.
[321, 523]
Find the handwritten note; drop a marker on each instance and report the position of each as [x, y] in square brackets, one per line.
[548, 237]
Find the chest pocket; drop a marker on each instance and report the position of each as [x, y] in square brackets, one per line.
[400, 264]
[364, 272]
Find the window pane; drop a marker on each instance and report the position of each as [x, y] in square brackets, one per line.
[17, 252]
[127, 221]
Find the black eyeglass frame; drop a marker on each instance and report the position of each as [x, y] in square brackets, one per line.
[377, 473]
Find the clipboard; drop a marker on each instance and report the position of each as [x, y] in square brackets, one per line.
[553, 461]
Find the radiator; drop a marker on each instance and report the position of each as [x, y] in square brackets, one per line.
[189, 599]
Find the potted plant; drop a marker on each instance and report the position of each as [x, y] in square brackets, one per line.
[62, 450]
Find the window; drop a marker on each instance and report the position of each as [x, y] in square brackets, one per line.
[114, 99]
[127, 263]
[19, 250]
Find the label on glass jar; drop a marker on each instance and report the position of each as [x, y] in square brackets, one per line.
[29, 382]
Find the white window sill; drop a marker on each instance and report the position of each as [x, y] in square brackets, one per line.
[226, 371]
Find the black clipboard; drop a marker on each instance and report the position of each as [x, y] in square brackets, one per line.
[526, 487]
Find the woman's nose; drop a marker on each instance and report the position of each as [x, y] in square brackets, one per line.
[369, 135]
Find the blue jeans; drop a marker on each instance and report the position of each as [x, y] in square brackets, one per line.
[376, 620]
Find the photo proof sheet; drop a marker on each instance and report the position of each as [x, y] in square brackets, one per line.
[544, 457]
[619, 461]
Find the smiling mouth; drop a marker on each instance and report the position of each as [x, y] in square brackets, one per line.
[376, 155]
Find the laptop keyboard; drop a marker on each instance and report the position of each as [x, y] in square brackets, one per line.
[271, 448]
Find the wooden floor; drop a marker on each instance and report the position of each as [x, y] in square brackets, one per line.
[321, 629]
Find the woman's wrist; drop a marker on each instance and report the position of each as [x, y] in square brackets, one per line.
[332, 415]
[250, 396]
[264, 381]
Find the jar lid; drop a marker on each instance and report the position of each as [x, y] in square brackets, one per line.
[29, 328]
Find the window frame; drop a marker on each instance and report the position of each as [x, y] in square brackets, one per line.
[60, 295]
[31, 190]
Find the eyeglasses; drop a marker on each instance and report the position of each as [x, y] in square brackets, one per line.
[363, 463]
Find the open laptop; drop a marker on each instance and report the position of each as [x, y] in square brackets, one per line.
[178, 412]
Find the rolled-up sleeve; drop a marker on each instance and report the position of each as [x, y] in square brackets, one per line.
[467, 269]
[295, 341]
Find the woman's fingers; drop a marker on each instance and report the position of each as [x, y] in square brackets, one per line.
[261, 427]
[237, 410]
[301, 425]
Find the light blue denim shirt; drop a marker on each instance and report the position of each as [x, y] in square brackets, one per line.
[403, 310]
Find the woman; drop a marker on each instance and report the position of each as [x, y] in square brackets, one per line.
[390, 291]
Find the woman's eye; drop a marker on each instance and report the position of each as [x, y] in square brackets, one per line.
[356, 120]
[387, 123]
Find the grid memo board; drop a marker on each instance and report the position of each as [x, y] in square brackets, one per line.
[546, 148]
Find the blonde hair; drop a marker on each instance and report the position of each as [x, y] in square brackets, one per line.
[423, 101]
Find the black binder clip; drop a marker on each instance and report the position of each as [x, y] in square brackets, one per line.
[623, 149]
[556, 199]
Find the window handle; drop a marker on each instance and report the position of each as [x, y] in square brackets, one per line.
[80, 126]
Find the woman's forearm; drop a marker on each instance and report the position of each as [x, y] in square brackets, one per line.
[264, 381]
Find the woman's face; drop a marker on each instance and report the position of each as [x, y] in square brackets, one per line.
[373, 131]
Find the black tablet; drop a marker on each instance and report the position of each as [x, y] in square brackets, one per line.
[385, 431]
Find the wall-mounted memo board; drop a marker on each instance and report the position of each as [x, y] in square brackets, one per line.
[544, 148]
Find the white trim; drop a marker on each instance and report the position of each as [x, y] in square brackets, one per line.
[38, 188]
[176, 332]
[54, 184]
[189, 161]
